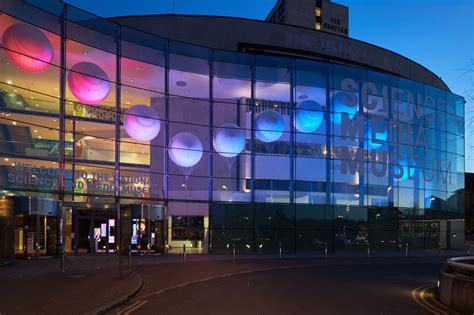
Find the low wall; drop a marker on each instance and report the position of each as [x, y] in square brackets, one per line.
[457, 292]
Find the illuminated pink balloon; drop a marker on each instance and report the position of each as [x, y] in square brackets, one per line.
[28, 48]
[141, 122]
[88, 82]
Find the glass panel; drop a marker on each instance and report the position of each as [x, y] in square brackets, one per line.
[272, 129]
[231, 134]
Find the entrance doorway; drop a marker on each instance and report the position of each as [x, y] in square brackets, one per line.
[36, 226]
[35, 235]
[93, 231]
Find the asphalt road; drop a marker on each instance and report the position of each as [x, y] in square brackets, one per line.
[298, 286]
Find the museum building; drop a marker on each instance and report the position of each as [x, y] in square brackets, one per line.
[150, 133]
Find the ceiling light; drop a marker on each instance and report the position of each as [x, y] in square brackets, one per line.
[9, 81]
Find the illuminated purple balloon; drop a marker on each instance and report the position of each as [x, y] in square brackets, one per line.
[88, 82]
[229, 140]
[185, 149]
[141, 122]
[28, 48]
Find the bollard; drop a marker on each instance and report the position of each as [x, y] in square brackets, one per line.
[439, 248]
[467, 250]
[406, 249]
[280, 249]
[326, 250]
[129, 256]
[184, 252]
[368, 251]
[233, 251]
[62, 260]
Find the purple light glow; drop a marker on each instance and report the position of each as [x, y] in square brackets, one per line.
[88, 82]
[141, 122]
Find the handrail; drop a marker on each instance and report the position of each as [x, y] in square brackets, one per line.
[456, 262]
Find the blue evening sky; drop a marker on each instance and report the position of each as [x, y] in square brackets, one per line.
[438, 34]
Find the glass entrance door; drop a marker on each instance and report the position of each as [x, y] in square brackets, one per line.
[93, 231]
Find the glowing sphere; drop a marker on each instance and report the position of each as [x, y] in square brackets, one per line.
[29, 49]
[141, 122]
[185, 149]
[379, 135]
[88, 82]
[309, 116]
[341, 103]
[269, 126]
[229, 140]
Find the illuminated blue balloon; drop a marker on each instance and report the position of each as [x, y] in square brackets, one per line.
[379, 135]
[185, 149]
[408, 168]
[341, 103]
[269, 126]
[229, 140]
[309, 116]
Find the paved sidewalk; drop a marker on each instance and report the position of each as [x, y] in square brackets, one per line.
[88, 286]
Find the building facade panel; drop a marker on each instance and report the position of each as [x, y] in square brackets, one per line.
[156, 144]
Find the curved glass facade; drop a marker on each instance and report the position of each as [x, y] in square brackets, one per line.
[246, 150]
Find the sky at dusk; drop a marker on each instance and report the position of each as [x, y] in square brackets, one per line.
[438, 34]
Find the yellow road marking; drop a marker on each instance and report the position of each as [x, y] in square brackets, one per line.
[414, 295]
[135, 307]
[127, 308]
[428, 301]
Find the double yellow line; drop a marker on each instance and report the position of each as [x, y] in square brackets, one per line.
[426, 298]
[131, 308]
